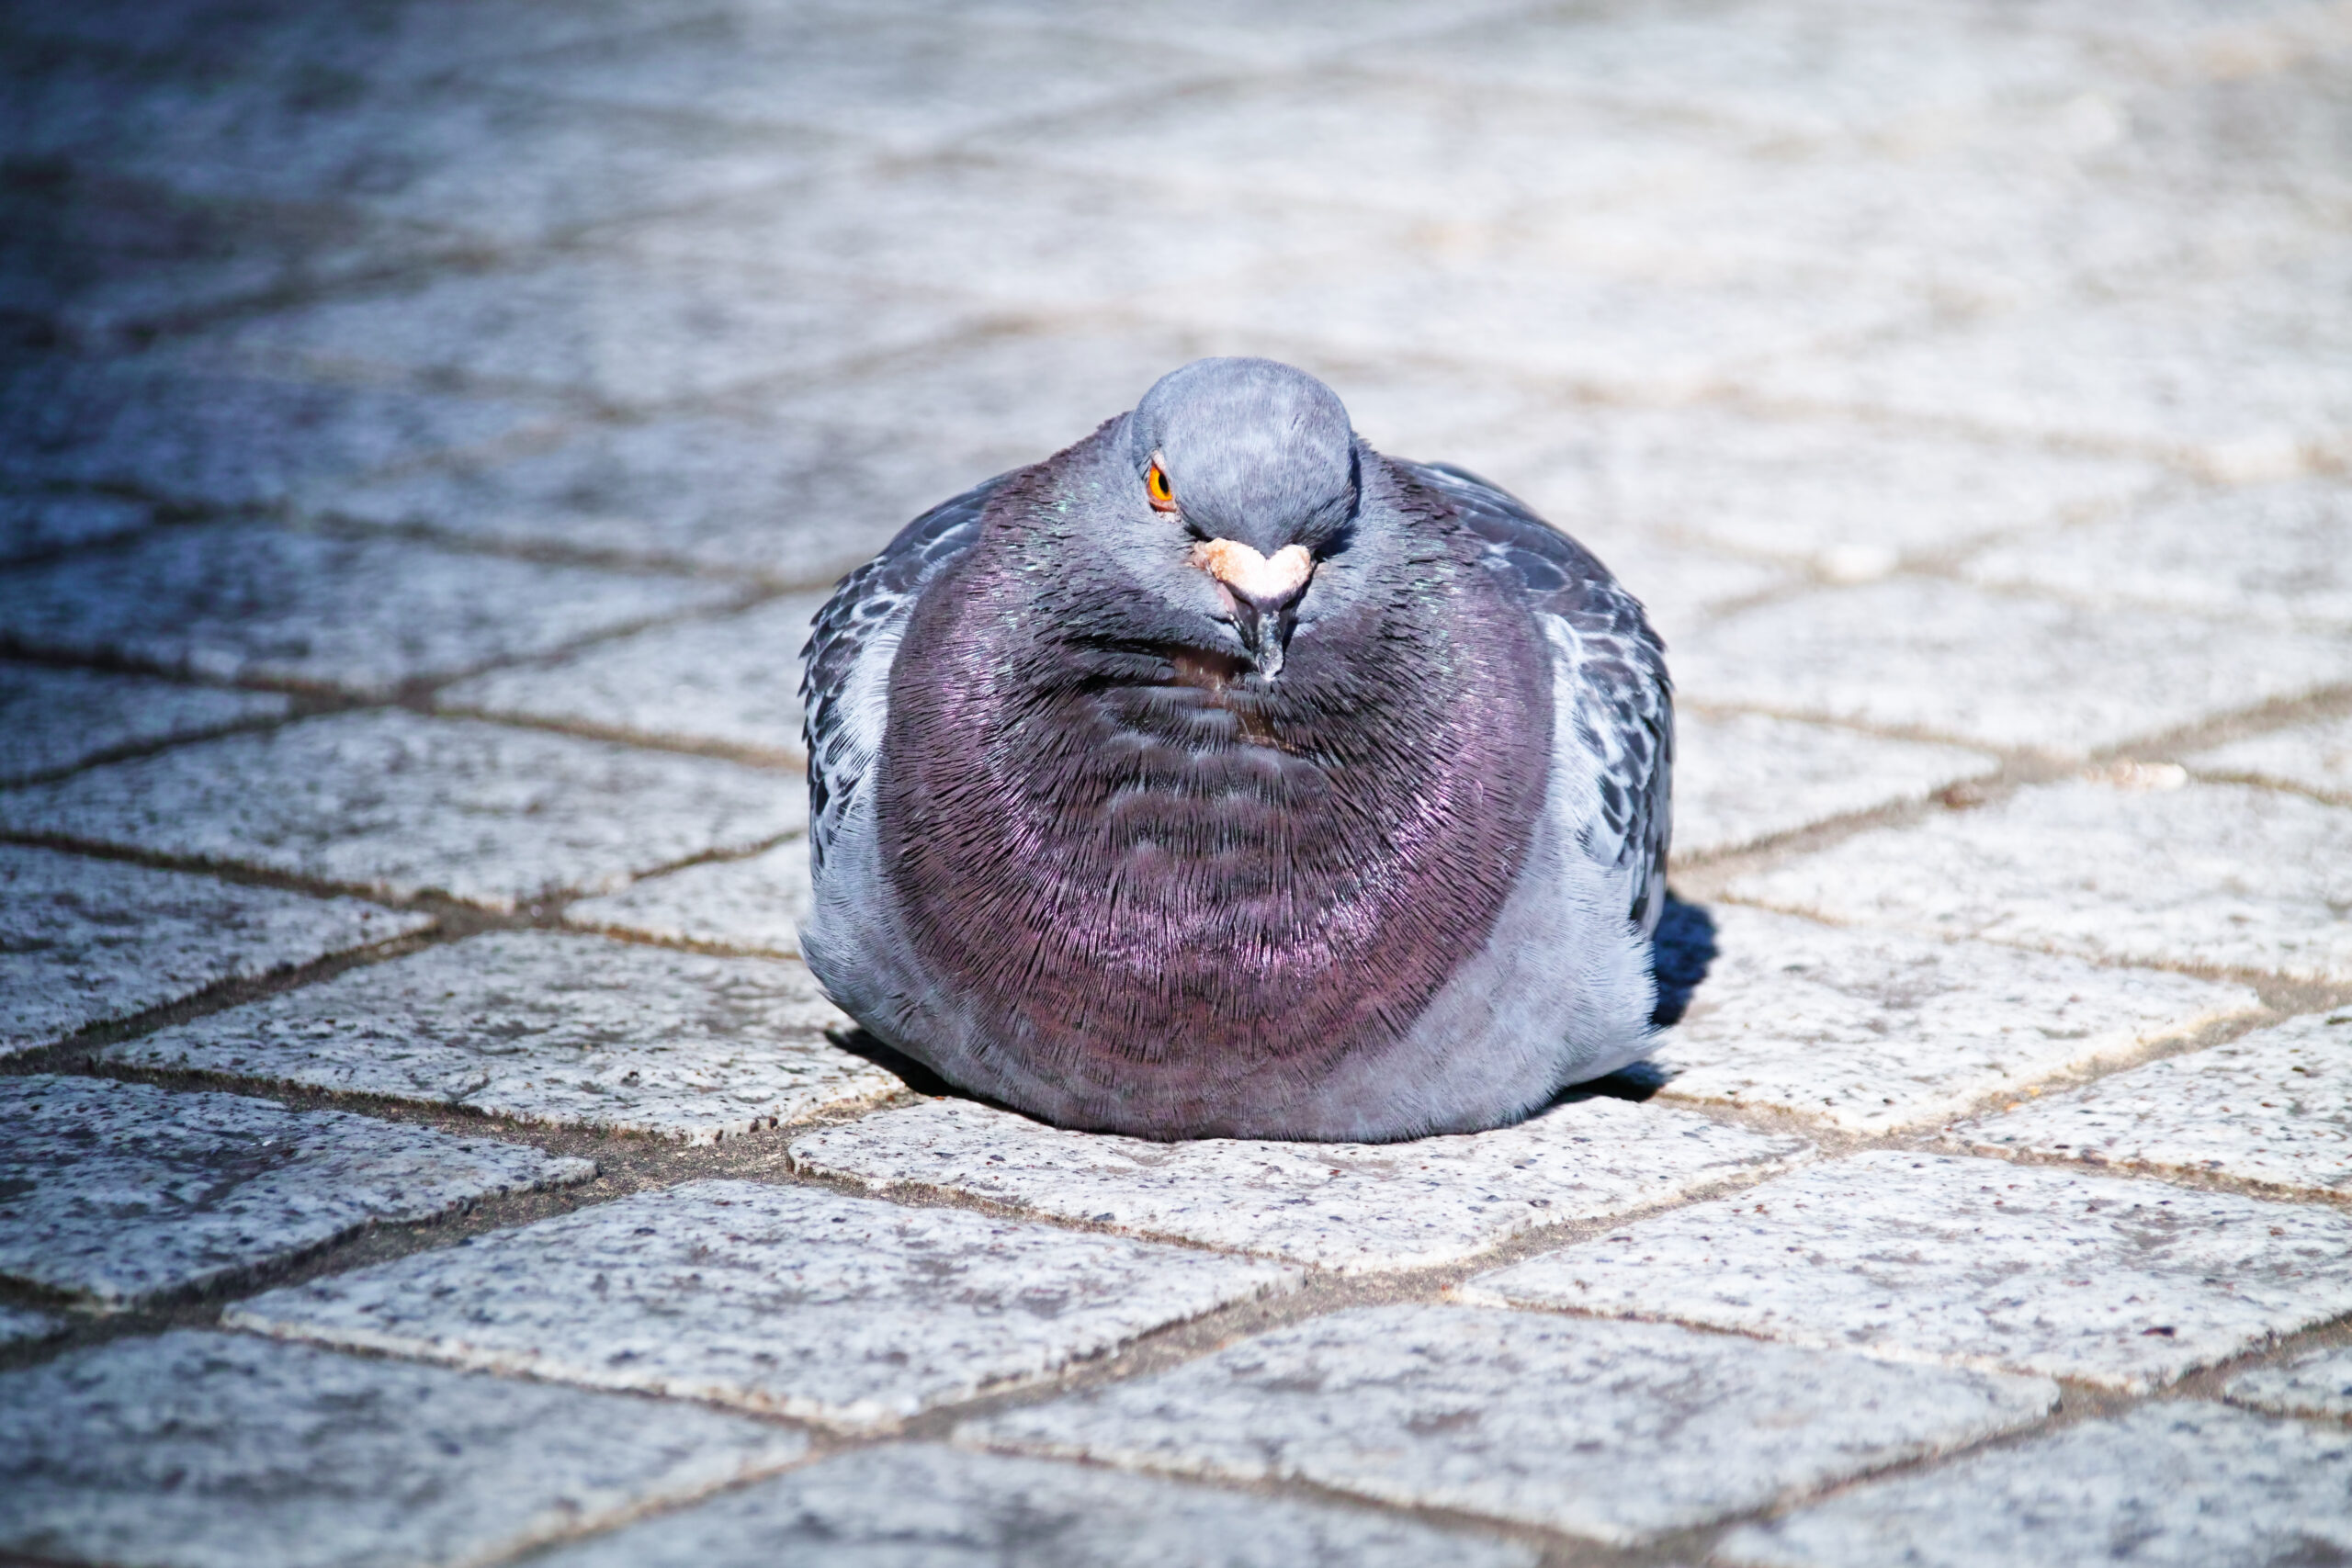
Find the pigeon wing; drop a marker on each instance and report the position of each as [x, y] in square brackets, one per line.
[845, 669]
[1621, 697]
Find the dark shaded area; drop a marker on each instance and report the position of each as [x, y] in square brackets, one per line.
[1679, 956]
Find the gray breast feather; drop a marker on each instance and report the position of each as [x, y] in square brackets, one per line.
[845, 671]
[1620, 700]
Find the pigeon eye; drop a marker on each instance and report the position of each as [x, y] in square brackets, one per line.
[1156, 485]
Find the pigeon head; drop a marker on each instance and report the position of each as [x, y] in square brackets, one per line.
[1253, 465]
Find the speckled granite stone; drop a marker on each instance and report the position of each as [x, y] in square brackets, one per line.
[1976, 1263]
[2318, 1383]
[787, 1299]
[757, 904]
[52, 718]
[86, 941]
[1358, 1208]
[123, 1192]
[2315, 758]
[1742, 777]
[547, 1027]
[1617, 1431]
[217, 1450]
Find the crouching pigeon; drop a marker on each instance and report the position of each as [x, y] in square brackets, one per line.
[1218, 777]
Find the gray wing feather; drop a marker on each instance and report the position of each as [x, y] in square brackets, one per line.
[844, 678]
[1622, 699]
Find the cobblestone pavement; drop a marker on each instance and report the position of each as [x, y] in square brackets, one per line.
[428, 426]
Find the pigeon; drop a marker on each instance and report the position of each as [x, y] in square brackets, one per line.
[1218, 777]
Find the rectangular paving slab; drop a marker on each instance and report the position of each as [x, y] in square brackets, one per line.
[21, 1325]
[2222, 876]
[52, 718]
[2314, 758]
[2180, 1484]
[2274, 1108]
[1959, 663]
[1874, 1031]
[123, 1192]
[217, 1450]
[731, 682]
[547, 1027]
[1617, 1431]
[252, 602]
[1739, 778]
[785, 1299]
[2319, 1384]
[938, 1508]
[400, 804]
[86, 941]
[1976, 1263]
[37, 523]
[1358, 1208]
[757, 904]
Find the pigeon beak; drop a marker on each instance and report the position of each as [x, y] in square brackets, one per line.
[1261, 592]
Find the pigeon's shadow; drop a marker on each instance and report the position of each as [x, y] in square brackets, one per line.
[1681, 955]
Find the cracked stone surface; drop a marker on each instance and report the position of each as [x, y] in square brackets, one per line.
[883, 1508]
[53, 719]
[803, 1302]
[250, 601]
[757, 904]
[2173, 1485]
[85, 941]
[1739, 778]
[1875, 1031]
[1354, 1207]
[2272, 551]
[2212, 874]
[2319, 1384]
[1980, 1263]
[2273, 1107]
[1960, 663]
[1617, 1431]
[733, 682]
[122, 1192]
[2316, 757]
[544, 1027]
[217, 1450]
[399, 804]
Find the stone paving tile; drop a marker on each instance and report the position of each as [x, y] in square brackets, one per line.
[2315, 758]
[123, 1193]
[400, 804]
[1959, 663]
[2319, 1384]
[1613, 1430]
[910, 82]
[1851, 501]
[2275, 552]
[940, 1508]
[790, 502]
[253, 602]
[176, 427]
[757, 904]
[1739, 778]
[2222, 875]
[84, 942]
[2172, 1485]
[799, 1300]
[1977, 1262]
[2273, 1107]
[621, 331]
[731, 682]
[1873, 1032]
[214, 1450]
[1357, 1208]
[544, 1027]
[19, 1326]
[53, 719]
[33, 524]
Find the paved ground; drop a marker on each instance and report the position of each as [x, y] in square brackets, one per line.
[428, 424]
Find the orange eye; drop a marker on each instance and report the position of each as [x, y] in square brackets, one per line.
[1156, 485]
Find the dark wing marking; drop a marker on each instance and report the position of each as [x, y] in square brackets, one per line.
[1622, 699]
[846, 668]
